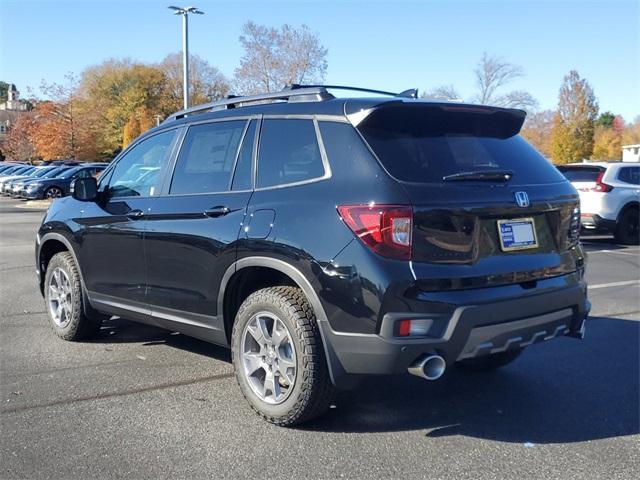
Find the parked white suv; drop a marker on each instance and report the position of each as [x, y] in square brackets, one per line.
[609, 197]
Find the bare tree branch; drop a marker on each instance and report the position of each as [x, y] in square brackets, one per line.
[274, 58]
[443, 92]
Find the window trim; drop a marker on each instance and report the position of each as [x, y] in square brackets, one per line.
[256, 135]
[323, 154]
[166, 189]
[108, 172]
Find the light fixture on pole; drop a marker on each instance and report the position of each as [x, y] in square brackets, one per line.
[185, 11]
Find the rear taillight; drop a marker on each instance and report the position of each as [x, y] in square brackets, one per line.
[600, 185]
[574, 227]
[385, 229]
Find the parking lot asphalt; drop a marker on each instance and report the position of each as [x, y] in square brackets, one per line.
[139, 402]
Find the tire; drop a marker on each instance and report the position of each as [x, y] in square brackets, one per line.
[627, 229]
[53, 192]
[64, 300]
[307, 391]
[487, 363]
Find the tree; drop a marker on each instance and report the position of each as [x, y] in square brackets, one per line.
[60, 116]
[139, 122]
[492, 74]
[444, 92]
[206, 82]
[51, 132]
[574, 123]
[631, 134]
[274, 58]
[537, 130]
[605, 120]
[607, 144]
[114, 90]
[18, 144]
[4, 91]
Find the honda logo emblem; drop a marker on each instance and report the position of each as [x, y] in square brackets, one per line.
[522, 199]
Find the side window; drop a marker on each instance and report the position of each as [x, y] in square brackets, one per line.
[629, 175]
[138, 172]
[84, 173]
[288, 153]
[207, 157]
[242, 176]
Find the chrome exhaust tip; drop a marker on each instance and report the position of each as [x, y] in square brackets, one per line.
[429, 367]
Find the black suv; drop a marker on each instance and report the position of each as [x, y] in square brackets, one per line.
[322, 239]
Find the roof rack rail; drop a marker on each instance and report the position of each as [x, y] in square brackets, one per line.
[310, 94]
[410, 93]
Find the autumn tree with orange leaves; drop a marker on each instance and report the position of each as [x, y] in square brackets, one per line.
[18, 144]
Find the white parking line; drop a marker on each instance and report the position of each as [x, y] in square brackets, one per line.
[615, 284]
[631, 252]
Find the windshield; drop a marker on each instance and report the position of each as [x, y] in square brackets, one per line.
[426, 144]
[21, 171]
[55, 172]
[41, 172]
[69, 173]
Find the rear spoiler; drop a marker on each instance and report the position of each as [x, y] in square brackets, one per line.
[434, 118]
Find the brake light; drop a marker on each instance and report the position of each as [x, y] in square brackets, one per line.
[385, 229]
[600, 185]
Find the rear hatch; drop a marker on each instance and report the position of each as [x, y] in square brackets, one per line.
[488, 209]
[587, 180]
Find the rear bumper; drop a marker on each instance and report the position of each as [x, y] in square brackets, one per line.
[596, 222]
[472, 330]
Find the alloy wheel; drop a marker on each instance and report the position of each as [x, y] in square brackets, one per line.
[268, 358]
[60, 297]
[54, 192]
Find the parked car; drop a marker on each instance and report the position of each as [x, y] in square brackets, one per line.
[9, 165]
[38, 172]
[59, 163]
[59, 186]
[609, 197]
[19, 186]
[323, 238]
[16, 175]
[14, 169]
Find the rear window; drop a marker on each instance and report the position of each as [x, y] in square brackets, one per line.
[581, 174]
[424, 144]
[288, 153]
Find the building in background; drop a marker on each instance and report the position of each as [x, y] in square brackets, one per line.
[13, 103]
[631, 153]
[10, 110]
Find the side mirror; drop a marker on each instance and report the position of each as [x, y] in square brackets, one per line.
[84, 189]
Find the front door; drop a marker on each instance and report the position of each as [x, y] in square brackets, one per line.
[194, 226]
[111, 230]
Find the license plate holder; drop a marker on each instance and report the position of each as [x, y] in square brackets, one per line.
[517, 234]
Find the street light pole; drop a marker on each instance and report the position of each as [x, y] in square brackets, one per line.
[185, 60]
[185, 11]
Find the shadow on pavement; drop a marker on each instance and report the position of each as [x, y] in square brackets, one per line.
[562, 391]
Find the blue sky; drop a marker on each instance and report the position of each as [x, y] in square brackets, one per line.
[386, 45]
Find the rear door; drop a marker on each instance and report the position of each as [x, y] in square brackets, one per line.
[192, 232]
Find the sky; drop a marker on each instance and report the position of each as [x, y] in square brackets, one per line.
[390, 45]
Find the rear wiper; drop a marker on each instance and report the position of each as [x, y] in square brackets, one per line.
[480, 175]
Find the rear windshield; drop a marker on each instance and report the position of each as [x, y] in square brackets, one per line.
[425, 144]
[581, 174]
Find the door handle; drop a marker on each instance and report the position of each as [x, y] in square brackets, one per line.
[218, 211]
[135, 214]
